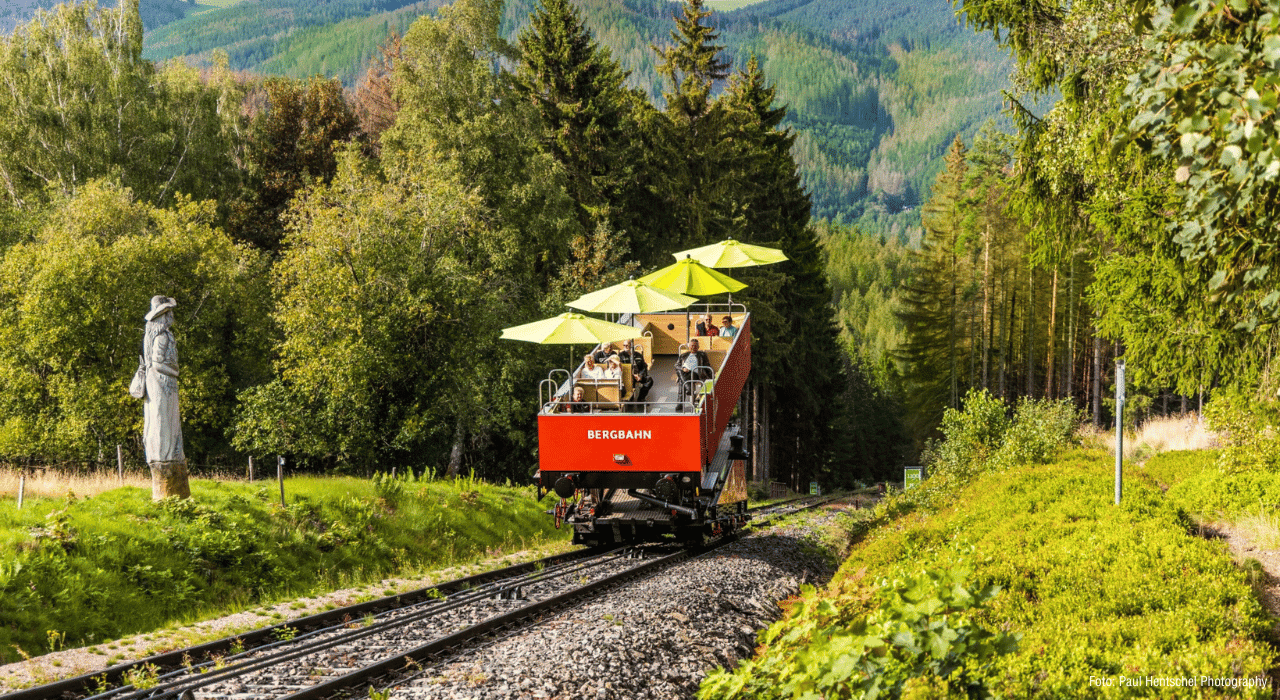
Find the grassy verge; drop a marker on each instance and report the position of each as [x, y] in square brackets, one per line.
[1028, 583]
[83, 570]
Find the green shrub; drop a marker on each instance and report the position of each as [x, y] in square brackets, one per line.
[983, 437]
[1094, 590]
[758, 491]
[1250, 428]
[1040, 429]
[971, 436]
[921, 626]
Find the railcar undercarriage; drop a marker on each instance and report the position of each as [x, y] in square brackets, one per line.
[672, 508]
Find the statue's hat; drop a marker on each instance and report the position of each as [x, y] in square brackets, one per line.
[159, 305]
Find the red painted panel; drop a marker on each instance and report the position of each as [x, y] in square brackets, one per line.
[583, 442]
[728, 387]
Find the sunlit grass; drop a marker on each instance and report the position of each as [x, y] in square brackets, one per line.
[1155, 435]
[56, 484]
[1262, 529]
[80, 540]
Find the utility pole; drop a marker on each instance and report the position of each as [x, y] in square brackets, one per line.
[1119, 426]
[280, 476]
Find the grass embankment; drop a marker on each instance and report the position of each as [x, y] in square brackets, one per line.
[82, 570]
[1094, 591]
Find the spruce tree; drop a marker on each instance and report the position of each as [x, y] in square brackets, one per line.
[932, 302]
[685, 147]
[576, 87]
[798, 357]
[692, 64]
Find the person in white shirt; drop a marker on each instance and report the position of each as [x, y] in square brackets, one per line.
[614, 369]
[591, 370]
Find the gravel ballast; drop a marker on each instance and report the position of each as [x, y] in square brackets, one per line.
[654, 638]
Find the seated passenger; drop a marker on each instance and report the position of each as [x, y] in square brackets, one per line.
[613, 370]
[707, 327]
[728, 330]
[603, 352]
[639, 371]
[693, 364]
[574, 404]
[590, 369]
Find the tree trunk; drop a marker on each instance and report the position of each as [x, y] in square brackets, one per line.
[1050, 367]
[1071, 333]
[1097, 379]
[986, 311]
[951, 336]
[766, 442]
[1031, 332]
[455, 453]
[1007, 343]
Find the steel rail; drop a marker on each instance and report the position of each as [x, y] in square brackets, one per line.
[471, 589]
[441, 646]
[269, 636]
[182, 681]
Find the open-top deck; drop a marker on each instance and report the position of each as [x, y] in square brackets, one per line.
[618, 442]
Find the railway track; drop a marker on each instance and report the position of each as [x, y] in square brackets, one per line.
[386, 641]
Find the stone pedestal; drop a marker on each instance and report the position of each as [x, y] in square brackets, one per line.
[169, 479]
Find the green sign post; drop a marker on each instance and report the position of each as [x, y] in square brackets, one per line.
[814, 490]
[911, 477]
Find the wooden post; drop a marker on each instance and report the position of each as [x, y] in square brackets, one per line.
[120, 462]
[22, 487]
[251, 469]
[280, 476]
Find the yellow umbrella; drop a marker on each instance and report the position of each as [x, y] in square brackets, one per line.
[570, 329]
[688, 276]
[631, 297]
[731, 253]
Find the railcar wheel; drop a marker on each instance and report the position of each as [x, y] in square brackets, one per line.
[692, 536]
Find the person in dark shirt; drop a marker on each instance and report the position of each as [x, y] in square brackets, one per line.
[639, 371]
[693, 364]
[707, 327]
[575, 404]
[604, 352]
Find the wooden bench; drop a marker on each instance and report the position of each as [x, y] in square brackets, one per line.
[606, 394]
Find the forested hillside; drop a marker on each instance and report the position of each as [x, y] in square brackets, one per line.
[154, 13]
[344, 260]
[1134, 221]
[876, 89]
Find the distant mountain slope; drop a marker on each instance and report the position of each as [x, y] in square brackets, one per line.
[252, 32]
[154, 13]
[877, 89]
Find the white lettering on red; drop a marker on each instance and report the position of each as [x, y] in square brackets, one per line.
[619, 434]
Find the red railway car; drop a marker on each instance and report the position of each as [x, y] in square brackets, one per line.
[666, 467]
